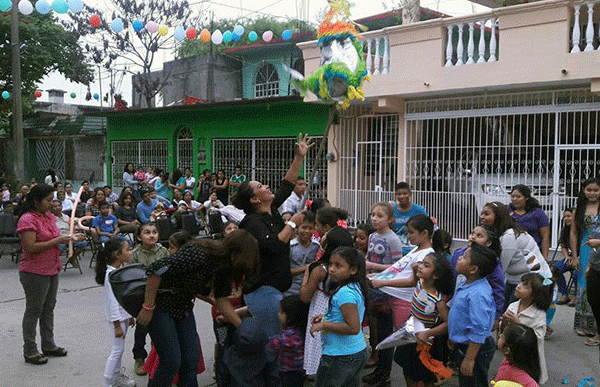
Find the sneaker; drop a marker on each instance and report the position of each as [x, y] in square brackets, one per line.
[123, 381]
[549, 332]
[139, 367]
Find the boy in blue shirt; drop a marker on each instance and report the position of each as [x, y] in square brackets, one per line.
[105, 224]
[404, 209]
[471, 316]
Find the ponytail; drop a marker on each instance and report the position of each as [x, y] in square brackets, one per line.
[106, 256]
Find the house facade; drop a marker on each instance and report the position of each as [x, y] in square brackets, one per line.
[464, 108]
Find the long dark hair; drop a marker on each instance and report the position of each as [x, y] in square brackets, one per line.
[106, 256]
[581, 204]
[241, 199]
[296, 312]
[52, 174]
[176, 175]
[522, 349]
[541, 295]
[123, 196]
[530, 202]
[354, 260]
[36, 194]
[126, 168]
[442, 271]
[330, 215]
[336, 237]
[502, 219]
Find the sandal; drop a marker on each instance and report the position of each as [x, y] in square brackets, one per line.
[57, 352]
[36, 359]
[584, 334]
[592, 342]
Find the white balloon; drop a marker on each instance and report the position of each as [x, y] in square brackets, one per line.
[217, 37]
[25, 7]
[75, 5]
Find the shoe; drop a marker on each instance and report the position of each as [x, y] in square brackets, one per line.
[56, 352]
[123, 381]
[592, 342]
[549, 332]
[36, 359]
[563, 300]
[139, 367]
[375, 377]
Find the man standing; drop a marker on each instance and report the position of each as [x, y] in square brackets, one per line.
[237, 179]
[403, 211]
[292, 204]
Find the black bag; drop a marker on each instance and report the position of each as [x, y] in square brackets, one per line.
[129, 285]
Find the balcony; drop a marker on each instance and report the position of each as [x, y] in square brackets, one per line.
[550, 43]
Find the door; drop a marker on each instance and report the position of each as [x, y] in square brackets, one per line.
[368, 188]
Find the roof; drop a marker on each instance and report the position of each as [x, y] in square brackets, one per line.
[47, 125]
[274, 43]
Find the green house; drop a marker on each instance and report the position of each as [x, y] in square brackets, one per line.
[257, 134]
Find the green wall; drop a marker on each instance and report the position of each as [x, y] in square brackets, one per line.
[236, 119]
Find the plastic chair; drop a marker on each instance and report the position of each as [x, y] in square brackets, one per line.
[165, 230]
[8, 236]
[215, 223]
[189, 224]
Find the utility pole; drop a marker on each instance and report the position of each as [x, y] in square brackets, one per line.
[17, 117]
[210, 76]
[100, 81]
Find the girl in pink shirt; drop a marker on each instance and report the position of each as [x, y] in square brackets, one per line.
[521, 364]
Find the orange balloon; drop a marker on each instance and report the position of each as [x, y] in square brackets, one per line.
[205, 35]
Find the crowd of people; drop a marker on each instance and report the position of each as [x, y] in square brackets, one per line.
[296, 294]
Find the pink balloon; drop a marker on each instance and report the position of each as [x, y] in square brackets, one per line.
[151, 27]
[267, 36]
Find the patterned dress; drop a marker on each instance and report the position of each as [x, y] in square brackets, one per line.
[312, 344]
[584, 319]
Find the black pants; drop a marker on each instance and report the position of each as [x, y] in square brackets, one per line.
[593, 294]
[385, 327]
[139, 342]
[292, 378]
[482, 363]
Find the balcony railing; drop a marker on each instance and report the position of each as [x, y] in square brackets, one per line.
[376, 49]
[460, 48]
[583, 31]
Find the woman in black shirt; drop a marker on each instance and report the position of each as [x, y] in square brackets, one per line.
[263, 292]
[202, 267]
[126, 214]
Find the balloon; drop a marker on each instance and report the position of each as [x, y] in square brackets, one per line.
[227, 36]
[238, 30]
[217, 37]
[205, 35]
[117, 25]
[25, 7]
[179, 33]
[96, 96]
[5, 94]
[267, 36]
[94, 19]
[286, 34]
[151, 27]
[73, 95]
[6, 5]
[235, 38]
[191, 33]
[42, 7]
[252, 36]
[137, 25]
[37, 94]
[60, 6]
[163, 30]
[75, 6]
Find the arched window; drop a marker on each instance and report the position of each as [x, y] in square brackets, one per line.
[299, 65]
[267, 82]
[185, 149]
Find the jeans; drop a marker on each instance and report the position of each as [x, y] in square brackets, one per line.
[113, 364]
[560, 281]
[139, 342]
[340, 371]
[263, 303]
[224, 334]
[482, 363]
[40, 299]
[177, 348]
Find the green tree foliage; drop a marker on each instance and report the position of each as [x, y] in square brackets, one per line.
[196, 47]
[46, 46]
[134, 51]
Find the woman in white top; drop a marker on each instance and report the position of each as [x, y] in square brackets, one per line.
[50, 178]
[190, 181]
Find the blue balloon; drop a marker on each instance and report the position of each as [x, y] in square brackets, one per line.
[5, 94]
[179, 33]
[235, 38]
[137, 25]
[60, 6]
[5, 5]
[75, 6]
[117, 25]
[252, 36]
[96, 96]
[42, 6]
[227, 36]
[238, 30]
[286, 35]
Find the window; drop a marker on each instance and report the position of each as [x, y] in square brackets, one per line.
[267, 82]
[147, 153]
[185, 149]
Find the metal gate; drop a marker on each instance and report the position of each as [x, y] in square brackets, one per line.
[185, 149]
[50, 154]
[153, 153]
[266, 160]
[458, 160]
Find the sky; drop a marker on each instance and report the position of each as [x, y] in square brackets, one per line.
[307, 9]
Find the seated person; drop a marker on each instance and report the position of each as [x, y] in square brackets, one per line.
[67, 205]
[105, 225]
[212, 203]
[64, 226]
[158, 212]
[126, 214]
[176, 220]
[146, 206]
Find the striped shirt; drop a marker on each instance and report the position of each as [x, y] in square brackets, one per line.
[423, 306]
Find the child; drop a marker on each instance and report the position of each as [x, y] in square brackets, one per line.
[534, 295]
[441, 243]
[230, 227]
[212, 202]
[428, 304]
[114, 254]
[105, 224]
[289, 344]
[404, 209]
[521, 363]
[565, 264]
[177, 240]
[302, 252]
[145, 252]
[140, 175]
[344, 347]
[361, 238]
[398, 281]
[159, 211]
[472, 315]
[385, 247]
[5, 193]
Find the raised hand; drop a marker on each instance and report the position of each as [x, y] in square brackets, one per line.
[304, 144]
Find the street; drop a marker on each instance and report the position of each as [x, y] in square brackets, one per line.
[81, 328]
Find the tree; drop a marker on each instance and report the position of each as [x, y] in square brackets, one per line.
[411, 11]
[46, 46]
[134, 51]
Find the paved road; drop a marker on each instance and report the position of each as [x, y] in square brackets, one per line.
[81, 328]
